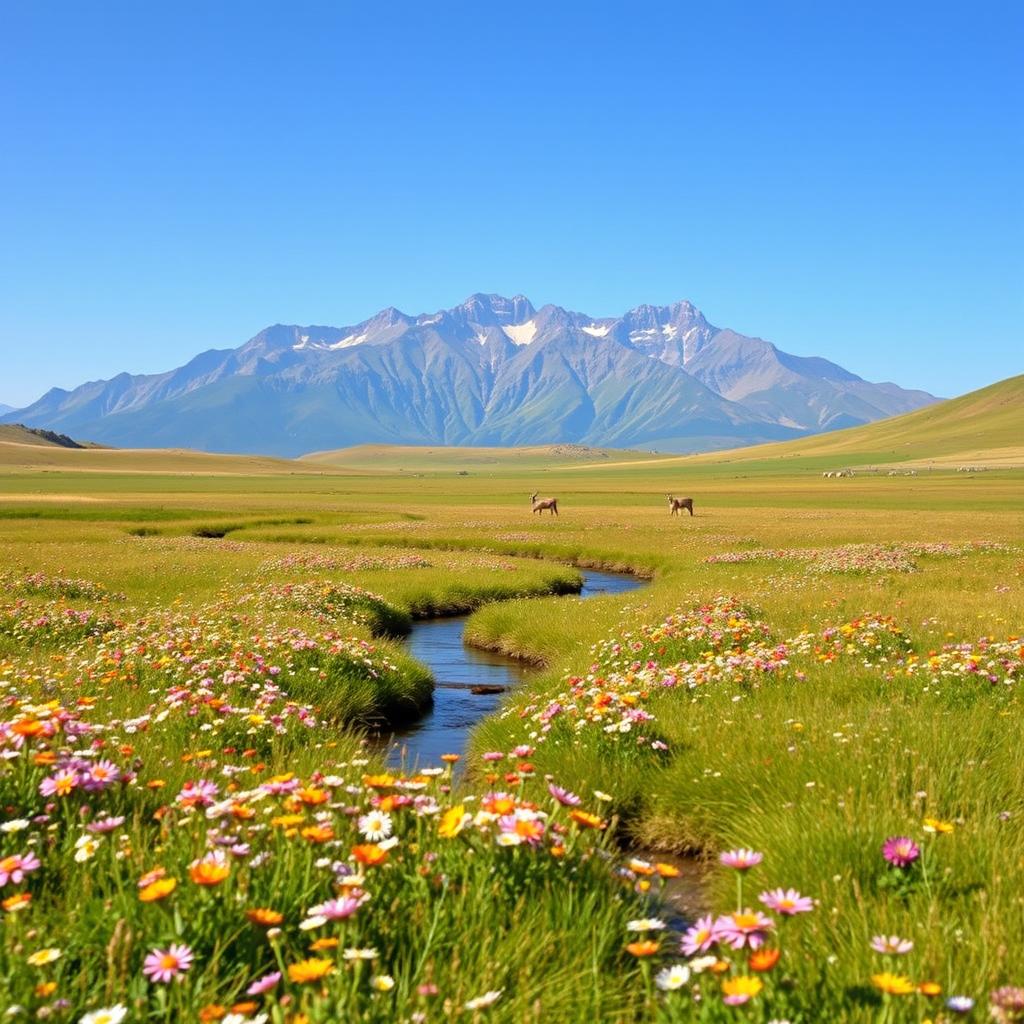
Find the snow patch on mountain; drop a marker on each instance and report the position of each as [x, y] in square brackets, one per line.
[521, 334]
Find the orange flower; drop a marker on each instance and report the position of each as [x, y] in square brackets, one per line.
[667, 870]
[18, 901]
[500, 805]
[378, 781]
[265, 916]
[44, 757]
[209, 872]
[450, 758]
[245, 1008]
[155, 784]
[640, 867]
[369, 854]
[288, 820]
[242, 812]
[318, 833]
[212, 1012]
[558, 851]
[157, 890]
[764, 959]
[929, 988]
[324, 943]
[586, 820]
[309, 970]
[46, 988]
[312, 796]
[646, 947]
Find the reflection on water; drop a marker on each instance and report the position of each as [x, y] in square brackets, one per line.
[457, 668]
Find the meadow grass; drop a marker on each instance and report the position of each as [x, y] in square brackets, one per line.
[237, 660]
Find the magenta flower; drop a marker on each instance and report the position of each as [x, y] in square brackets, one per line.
[336, 910]
[105, 824]
[563, 796]
[741, 860]
[700, 937]
[900, 851]
[787, 902]
[164, 965]
[492, 755]
[100, 775]
[742, 928]
[264, 984]
[17, 866]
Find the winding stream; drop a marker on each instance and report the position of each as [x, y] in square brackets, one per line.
[457, 668]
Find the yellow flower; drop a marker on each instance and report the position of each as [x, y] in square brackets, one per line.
[157, 890]
[209, 872]
[309, 970]
[452, 822]
[738, 990]
[892, 984]
[936, 826]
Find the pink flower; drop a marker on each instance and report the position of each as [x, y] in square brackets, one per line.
[891, 944]
[743, 928]
[741, 860]
[16, 867]
[166, 965]
[337, 910]
[700, 937]
[563, 796]
[492, 755]
[100, 775]
[788, 902]
[264, 984]
[900, 851]
[60, 783]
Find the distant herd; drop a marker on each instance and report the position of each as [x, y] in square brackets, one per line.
[551, 504]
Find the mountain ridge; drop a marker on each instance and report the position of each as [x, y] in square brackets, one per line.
[491, 371]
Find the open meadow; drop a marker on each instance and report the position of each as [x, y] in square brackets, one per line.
[782, 782]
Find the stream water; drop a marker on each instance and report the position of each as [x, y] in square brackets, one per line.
[459, 668]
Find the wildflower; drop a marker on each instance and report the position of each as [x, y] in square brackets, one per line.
[1006, 1004]
[929, 988]
[19, 901]
[14, 825]
[642, 948]
[368, 953]
[666, 870]
[61, 783]
[108, 1015]
[703, 963]
[960, 1004]
[318, 833]
[646, 924]
[263, 984]
[671, 978]
[900, 851]
[763, 960]
[786, 902]
[264, 916]
[937, 827]
[892, 984]
[100, 775]
[166, 965]
[743, 928]
[450, 758]
[41, 957]
[210, 870]
[487, 999]
[564, 796]
[585, 820]
[741, 859]
[157, 890]
[15, 867]
[739, 990]
[375, 826]
[382, 983]
[700, 937]
[369, 854]
[452, 822]
[337, 910]
[891, 944]
[85, 848]
[309, 970]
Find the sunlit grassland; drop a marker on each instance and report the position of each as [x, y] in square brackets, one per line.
[816, 773]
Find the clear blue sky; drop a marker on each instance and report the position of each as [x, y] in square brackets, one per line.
[842, 179]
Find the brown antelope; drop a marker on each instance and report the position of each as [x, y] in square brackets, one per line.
[545, 503]
[675, 504]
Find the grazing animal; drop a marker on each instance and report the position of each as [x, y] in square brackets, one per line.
[551, 504]
[675, 504]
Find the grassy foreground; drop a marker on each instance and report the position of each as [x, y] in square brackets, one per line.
[823, 673]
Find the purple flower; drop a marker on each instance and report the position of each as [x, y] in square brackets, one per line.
[563, 796]
[336, 910]
[960, 1004]
[900, 851]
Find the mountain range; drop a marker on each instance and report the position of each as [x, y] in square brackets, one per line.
[492, 371]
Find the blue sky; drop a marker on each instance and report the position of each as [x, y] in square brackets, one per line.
[844, 180]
